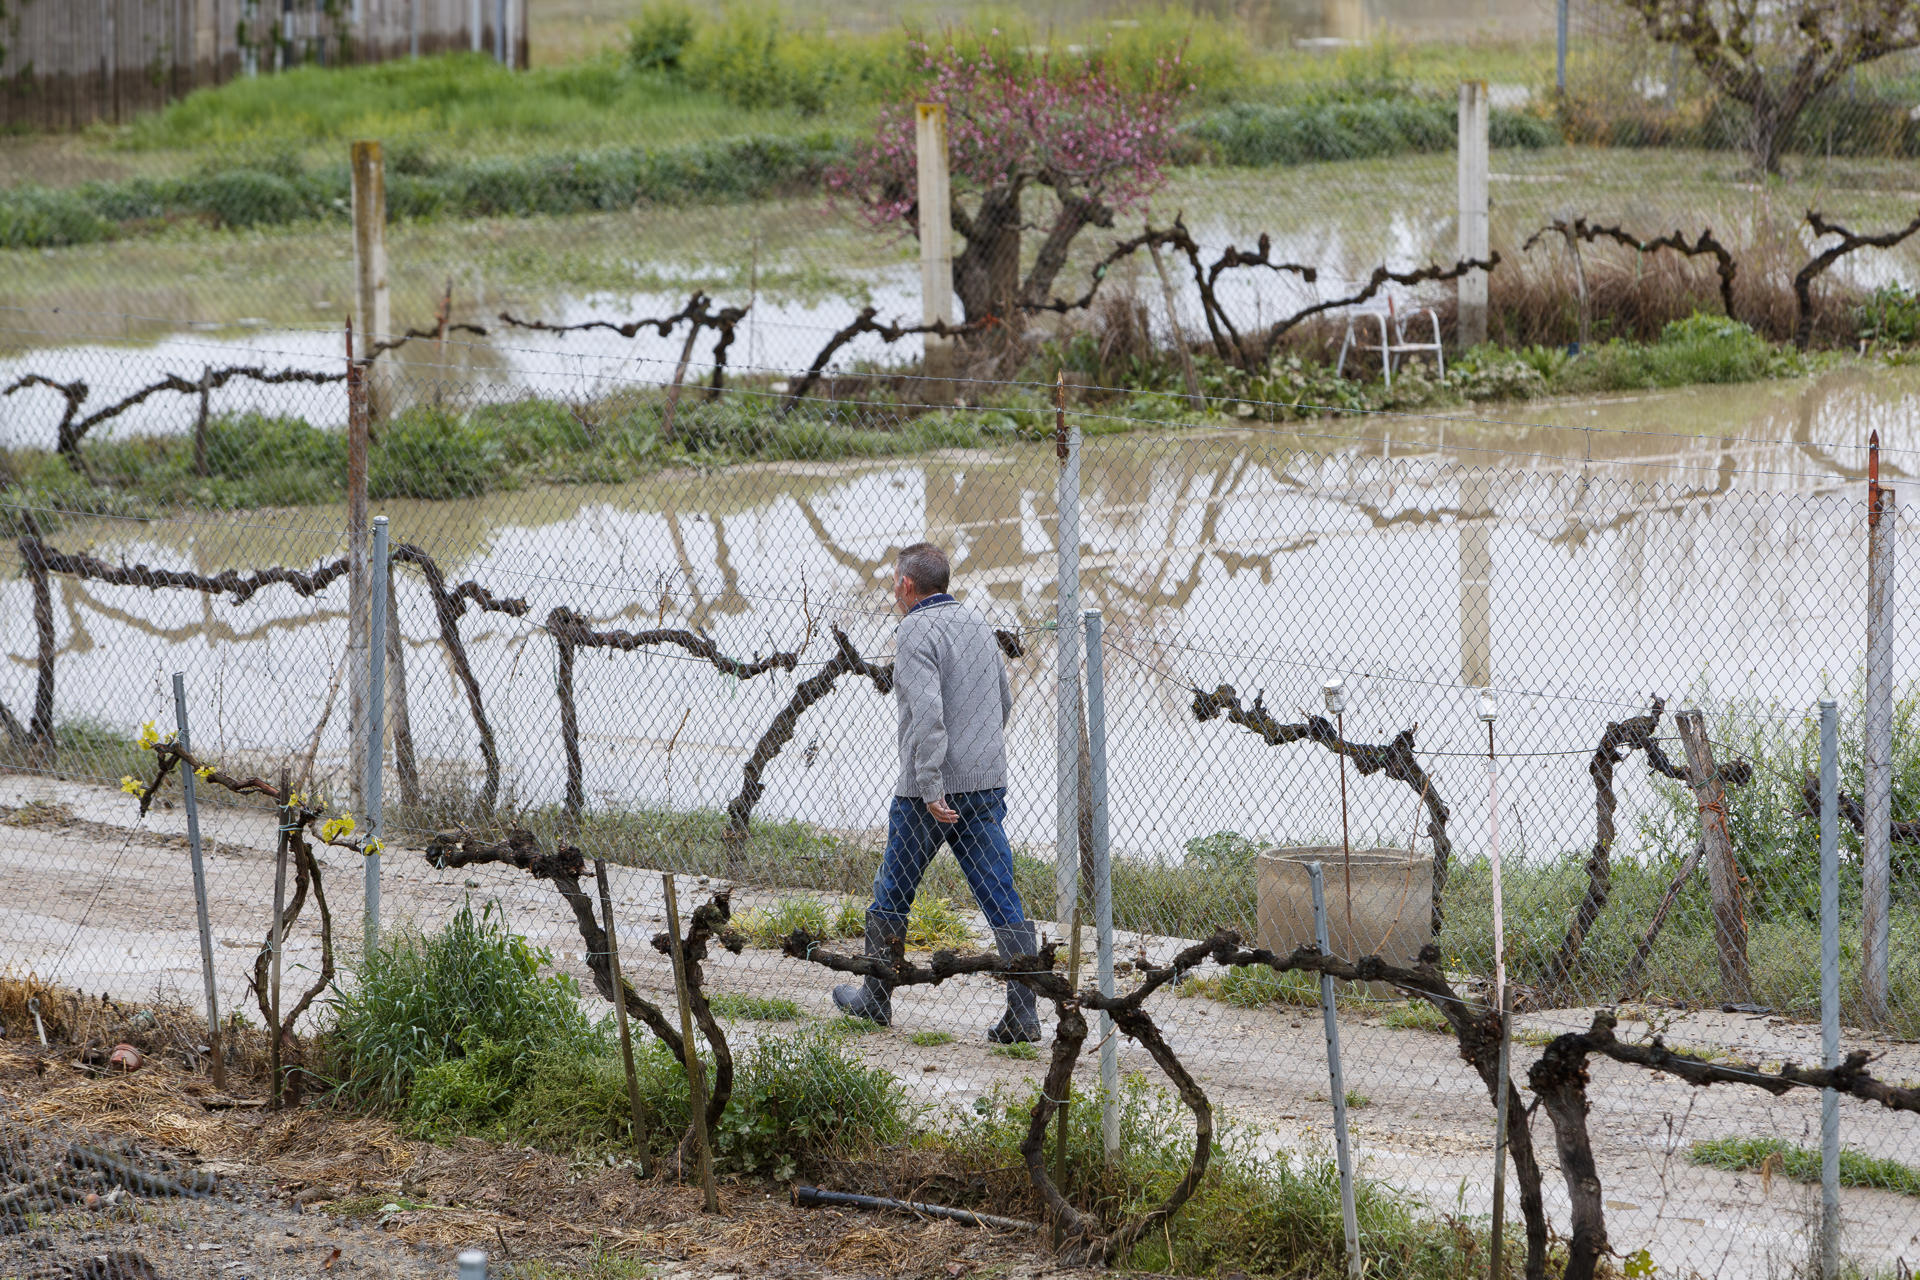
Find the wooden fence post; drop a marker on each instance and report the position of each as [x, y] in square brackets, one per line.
[1723, 873]
[372, 306]
[934, 199]
[1470, 323]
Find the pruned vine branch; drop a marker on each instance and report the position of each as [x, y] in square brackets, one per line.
[1704, 245]
[866, 323]
[1817, 265]
[698, 314]
[1621, 739]
[572, 631]
[1380, 279]
[1394, 759]
[449, 603]
[1559, 1078]
[1476, 1028]
[564, 867]
[1083, 1237]
[438, 333]
[73, 428]
[306, 875]
[238, 586]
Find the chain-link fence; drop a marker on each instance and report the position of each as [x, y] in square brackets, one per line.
[649, 620]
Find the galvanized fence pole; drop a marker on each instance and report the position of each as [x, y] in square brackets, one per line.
[1102, 885]
[199, 885]
[376, 724]
[473, 1265]
[1336, 1081]
[1829, 986]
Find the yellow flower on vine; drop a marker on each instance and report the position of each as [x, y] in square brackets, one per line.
[334, 828]
[296, 800]
[372, 847]
[133, 786]
[149, 736]
[204, 772]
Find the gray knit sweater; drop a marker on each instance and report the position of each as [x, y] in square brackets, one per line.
[951, 693]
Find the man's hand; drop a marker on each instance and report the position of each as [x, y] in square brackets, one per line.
[942, 812]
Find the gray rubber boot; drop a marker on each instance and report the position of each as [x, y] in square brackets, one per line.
[1022, 1020]
[871, 999]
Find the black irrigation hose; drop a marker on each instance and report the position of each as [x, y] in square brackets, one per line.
[813, 1197]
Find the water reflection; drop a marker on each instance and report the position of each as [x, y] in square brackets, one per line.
[1579, 570]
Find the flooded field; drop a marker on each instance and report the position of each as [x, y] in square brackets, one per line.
[1699, 543]
[806, 267]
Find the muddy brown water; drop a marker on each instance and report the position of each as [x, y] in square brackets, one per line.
[1578, 556]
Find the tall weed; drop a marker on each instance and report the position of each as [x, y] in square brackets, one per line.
[475, 987]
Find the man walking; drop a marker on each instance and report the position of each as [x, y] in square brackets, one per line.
[952, 700]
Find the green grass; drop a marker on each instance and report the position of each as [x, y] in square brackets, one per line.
[1802, 1164]
[1415, 1015]
[799, 1099]
[746, 1008]
[1293, 133]
[1269, 1216]
[286, 192]
[848, 1025]
[460, 104]
[1254, 988]
[602, 1264]
[1019, 1050]
[1358, 1101]
[929, 1039]
[82, 748]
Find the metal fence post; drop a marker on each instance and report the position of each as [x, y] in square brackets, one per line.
[199, 884]
[1560, 48]
[473, 1265]
[1829, 986]
[1066, 719]
[1336, 1081]
[1102, 884]
[1876, 864]
[376, 724]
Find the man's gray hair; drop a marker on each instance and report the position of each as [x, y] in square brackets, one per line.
[925, 566]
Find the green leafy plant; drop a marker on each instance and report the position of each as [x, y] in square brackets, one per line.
[475, 987]
[661, 34]
[928, 1039]
[1020, 1050]
[1890, 316]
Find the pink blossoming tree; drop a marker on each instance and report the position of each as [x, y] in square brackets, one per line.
[1015, 124]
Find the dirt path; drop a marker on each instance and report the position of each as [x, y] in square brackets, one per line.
[87, 902]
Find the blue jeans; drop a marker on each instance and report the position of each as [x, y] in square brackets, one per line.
[914, 836]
